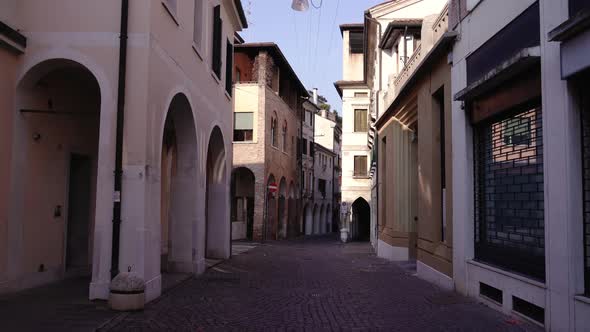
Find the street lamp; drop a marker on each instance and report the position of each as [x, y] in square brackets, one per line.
[303, 5]
[300, 5]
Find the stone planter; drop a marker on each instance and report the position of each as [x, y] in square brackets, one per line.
[344, 235]
[127, 292]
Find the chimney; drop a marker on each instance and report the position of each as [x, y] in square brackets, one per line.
[315, 96]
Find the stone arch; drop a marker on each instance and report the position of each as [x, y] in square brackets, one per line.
[322, 220]
[292, 211]
[217, 223]
[328, 220]
[271, 209]
[316, 219]
[179, 182]
[282, 209]
[243, 185]
[59, 157]
[308, 228]
[361, 220]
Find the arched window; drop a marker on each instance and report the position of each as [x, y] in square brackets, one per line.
[273, 131]
[284, 133]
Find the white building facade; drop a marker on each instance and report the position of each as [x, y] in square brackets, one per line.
[61, 92]
[520, 158]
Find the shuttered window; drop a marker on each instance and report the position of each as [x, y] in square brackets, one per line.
[360, 121]
[229, 63]
[198, 24]
[360, 165]
[216, 47]
[356, 42]
[243, 126]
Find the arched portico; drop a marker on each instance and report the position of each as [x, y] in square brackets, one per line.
[217, 224]
[178, 180]
[55, 167]
[271, 209]
[243, 191]
[361, 220]
[322, 220]
[308, 219]
[316, 219]
[282, 209]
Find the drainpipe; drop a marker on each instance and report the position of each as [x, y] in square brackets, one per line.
[376, 142]
[119, 139]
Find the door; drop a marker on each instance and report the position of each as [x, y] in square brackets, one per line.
[249, 218]
[78, 224]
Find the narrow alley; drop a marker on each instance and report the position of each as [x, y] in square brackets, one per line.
[314, 284]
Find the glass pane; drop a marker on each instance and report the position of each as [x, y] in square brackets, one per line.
[244, 121]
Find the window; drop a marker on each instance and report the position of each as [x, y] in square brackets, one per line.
[360, 120]
[509, 195]
[243, 126]
[322, 187]
[361, 94]
[238, 76]
[273, 131]
[284, 133]
[304, 146]
[229, 63]
[216, 47]
[360, 166]
[198, 24]
[356, 42]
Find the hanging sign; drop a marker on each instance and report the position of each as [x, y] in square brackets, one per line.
[272, 187]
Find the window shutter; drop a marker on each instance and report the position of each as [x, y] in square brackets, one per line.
[229, 57]
[216, 56]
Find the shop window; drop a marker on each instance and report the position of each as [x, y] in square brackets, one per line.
[509, 193]
[360, 120]
[360, 166]
[243, 126]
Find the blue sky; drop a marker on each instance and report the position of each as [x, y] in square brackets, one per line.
[298, 33]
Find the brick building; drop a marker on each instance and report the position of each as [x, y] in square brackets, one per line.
[268, 113]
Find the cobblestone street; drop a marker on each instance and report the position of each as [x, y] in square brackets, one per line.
[312, 285]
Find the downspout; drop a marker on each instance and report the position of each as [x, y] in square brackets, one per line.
[376, 142]
[119, 139]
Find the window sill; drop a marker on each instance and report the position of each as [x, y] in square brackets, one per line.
[507, 274]
[171, 13]
[244, 142]
[196, 49]
[361, 177]
[217, 79]
[582, 298]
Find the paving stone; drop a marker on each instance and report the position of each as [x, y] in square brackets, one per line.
[314, 284]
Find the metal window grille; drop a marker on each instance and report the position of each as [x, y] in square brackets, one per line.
[509, 218]
[586, 188]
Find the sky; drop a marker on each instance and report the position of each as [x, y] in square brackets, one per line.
[310, 40]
